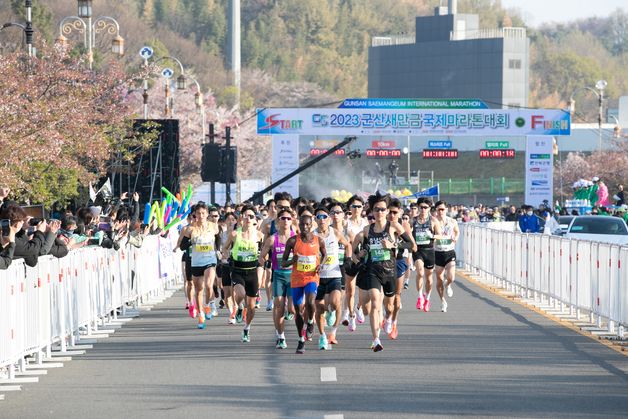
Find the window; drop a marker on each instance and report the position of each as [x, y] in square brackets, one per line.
[514, 64]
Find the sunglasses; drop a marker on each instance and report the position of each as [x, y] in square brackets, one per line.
[379, 209]
[285, 218]
[370, 218]
[214, 215]
[394, 212]
[337, 212]
[441, 209]
[405, 218]
[322, 216]
[356, 206]
[250, 216]
[283, 208]
[424, 207]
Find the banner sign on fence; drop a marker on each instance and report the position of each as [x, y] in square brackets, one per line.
[504, 122]
[286, 160]
[539, 170]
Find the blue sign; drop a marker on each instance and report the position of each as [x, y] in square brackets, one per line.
[146, 52]
[433, 191]
[439, 144]
[370, 103]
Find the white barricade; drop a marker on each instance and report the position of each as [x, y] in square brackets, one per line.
[581, 276]
[54, 301]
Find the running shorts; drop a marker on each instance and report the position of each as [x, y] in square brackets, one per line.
[378, 277]
[200, 270]
[426, 255]
[443, 258]
[247, 278]
[327, 286]
[298, 293]
[225, 274]
[281, 283]
[402, 267]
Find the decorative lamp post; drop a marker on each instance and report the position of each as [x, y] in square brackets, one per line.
[600, 86]
[27, 28]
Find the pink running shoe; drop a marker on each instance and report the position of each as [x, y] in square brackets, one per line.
[192, 311]
[420, 302]
[427, 305]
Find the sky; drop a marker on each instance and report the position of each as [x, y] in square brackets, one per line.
[537, 12]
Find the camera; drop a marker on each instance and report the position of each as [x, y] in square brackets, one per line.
[5, 227]
[34, 221]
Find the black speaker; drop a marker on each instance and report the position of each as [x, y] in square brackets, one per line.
[229, 164]
[211, 163]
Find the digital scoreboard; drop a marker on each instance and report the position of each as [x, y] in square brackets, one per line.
[432, 153]
[383, 153]
[504, 153]
[318, 151]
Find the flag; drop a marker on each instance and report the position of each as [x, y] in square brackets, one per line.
[92, 192]
[105, 190]
[433, 191]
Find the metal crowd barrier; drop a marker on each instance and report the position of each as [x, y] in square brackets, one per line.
[60, 300]
[584, 277]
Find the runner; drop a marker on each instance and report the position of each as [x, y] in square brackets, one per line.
[244, 243]
[337, 212]
[281, 276]
[380, 274]
[307, 252]
[405, 221]
[355, 224]
[270, 213]
[204, 238]
[183, 243]
[393, 304]
[225, 268]
[445, 255]
[328, 296]
[424, 228]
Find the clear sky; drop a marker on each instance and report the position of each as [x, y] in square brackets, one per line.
[536, 12]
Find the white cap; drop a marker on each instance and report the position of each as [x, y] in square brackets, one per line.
[595, 179]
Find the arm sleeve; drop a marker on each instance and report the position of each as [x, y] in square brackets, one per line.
[6, 256]
[185, 243]
[407, 241]
[49, 241]
[135, 212]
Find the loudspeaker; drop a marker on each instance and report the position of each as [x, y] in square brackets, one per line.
[229, 164]
[211, 163]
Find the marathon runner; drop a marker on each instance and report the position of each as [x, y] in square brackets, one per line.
[424, 228]
[183, 243]
[307, 252]
[225, 268]
[445, 255]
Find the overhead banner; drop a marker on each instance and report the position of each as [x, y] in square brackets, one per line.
[286, 160]
[539, 171]
[361, 121]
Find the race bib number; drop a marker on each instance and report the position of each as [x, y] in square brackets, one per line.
[422, 237]
[246, 255]
[330, 260]
[204, 248]
[379, 254]
[306, 263]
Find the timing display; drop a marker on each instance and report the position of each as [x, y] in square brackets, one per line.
[383, 153]
[432, 153]
[507, 153]
[318, 151]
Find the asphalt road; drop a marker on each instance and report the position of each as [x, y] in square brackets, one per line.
[487, 356]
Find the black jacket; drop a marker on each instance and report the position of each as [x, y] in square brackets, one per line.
[6, 256]
[27, 249]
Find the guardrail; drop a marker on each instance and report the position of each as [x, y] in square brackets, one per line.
[60, 300]
[583, 277]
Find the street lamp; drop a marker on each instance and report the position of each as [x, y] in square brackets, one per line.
[26, 28]
[83, 25]
[181, 83]
[200, 106]
[600, 86]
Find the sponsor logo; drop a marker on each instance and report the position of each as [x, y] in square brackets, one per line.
[535, 169]
[520, 122]
[285, 124]
[540, 156]
[539, 182]
[540, 122]
[319, 120]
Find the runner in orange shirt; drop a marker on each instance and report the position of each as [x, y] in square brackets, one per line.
[307, 252]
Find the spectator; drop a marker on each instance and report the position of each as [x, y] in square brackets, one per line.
[4, 194]
[26, 247]
[512, 214]
[8, 244]
[619, 196]
[529, 223]
[602, 194]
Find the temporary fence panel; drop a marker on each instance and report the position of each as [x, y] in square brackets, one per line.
[52, 301]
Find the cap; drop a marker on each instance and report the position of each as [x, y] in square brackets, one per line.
[595, 179]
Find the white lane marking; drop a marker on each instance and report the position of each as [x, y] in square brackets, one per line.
[333, 417]
[328, 374]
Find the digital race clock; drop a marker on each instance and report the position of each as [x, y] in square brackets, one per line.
[383, 153]
[504, 153]
[433, 153]
[318, 151]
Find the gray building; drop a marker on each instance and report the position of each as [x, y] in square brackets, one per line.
[451, 57]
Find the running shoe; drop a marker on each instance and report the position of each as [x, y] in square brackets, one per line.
[388, 326]
[301, 347]
[352, 325]
[289, 316]
[246, 338]
[192, 311]
[427, 305]
[258, 301]
[281, 344]
[405, 285]
[214, 311]
[238, 316]
[377, 346]
[359, 315]
[322, 343]
[269, 306]
[187, 306]
[221, 304]
[420, 302]
[443, 306]
[309, 331]
[330, 317]
[394, 332]
[208, 313]
[413, 268]
[450, 291]
[331, 338]
[345, 318]
[201, 322]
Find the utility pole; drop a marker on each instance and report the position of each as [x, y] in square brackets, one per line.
[228, 163]
[212, 184]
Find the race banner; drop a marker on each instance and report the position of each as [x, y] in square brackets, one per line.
[539, 171]
[403, 121]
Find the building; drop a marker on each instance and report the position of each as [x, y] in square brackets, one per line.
[451, 57]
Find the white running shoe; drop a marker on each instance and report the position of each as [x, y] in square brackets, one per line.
[359, 314]
[450, 291]
[345, 319]
[352, 325]
[388, 326]
[443, 305]
[214, 311]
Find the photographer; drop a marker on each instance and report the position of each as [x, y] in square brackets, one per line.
[26, 247]
[8, 241]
